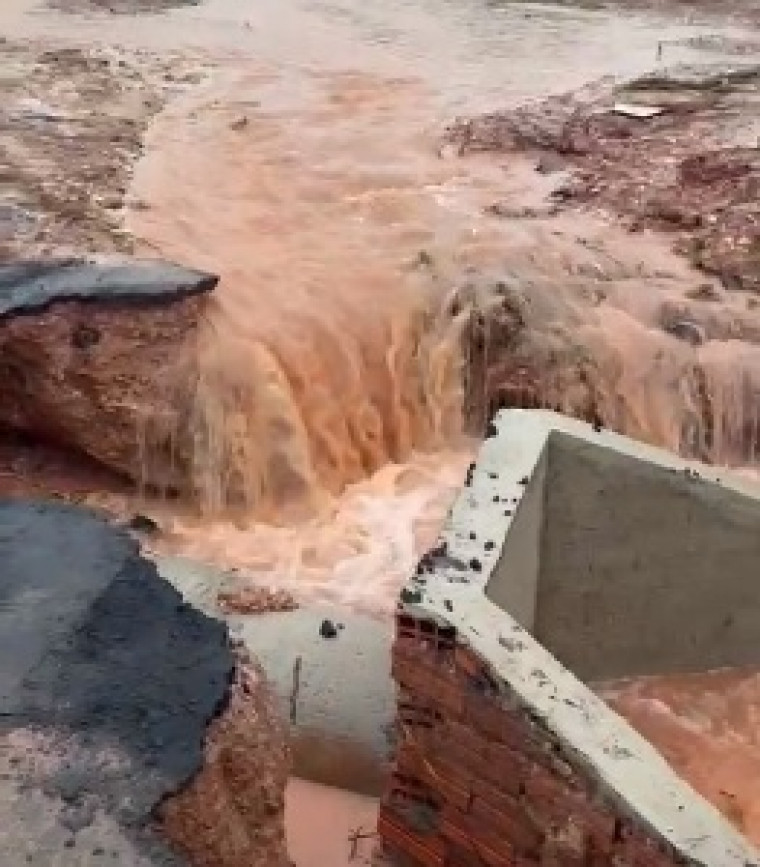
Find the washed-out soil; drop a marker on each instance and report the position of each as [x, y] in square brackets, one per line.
[691, 170]
[30, 468]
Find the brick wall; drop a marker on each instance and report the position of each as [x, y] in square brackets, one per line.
[477, 781]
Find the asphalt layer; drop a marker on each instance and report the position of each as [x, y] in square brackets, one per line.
[29, 287]
[103, 661]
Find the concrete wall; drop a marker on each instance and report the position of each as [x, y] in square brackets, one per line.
[514, 582]
[644, 569]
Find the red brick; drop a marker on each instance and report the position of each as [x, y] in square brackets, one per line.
[487, 716]
[427, 851]
[448, 781]
[476, 765]
[464, 833]
[600, 826]
[496, 797]
[408, 759]
[453, 732]
[504, 724]
[512, 766]
[638, 852]
[502, 794]
[561, 857]
[426, 681]
[468, 662]
[555, 800]
[513, 825]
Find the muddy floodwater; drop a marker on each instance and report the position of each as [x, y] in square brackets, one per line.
[307, 170]
[305, 165]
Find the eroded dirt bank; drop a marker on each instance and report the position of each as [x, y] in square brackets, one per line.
[70, 130]
[689, 173]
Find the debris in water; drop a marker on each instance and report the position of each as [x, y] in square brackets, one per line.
[549, 163]
[686, 330]
[143, 524]
[255, 600]
[295, 690]
[639, 112]
[328, 630]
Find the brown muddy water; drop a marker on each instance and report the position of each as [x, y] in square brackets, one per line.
[306, 171]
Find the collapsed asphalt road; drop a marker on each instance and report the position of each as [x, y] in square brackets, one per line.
[107, 683]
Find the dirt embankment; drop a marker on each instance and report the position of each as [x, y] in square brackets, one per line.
[692, 168]
[71, 128]
[232, 811]
[673, 153]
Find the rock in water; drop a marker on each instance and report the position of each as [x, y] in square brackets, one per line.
[96, 358]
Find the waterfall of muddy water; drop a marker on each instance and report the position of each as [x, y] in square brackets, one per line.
[708, 727]
[327, 406]
[323, 356]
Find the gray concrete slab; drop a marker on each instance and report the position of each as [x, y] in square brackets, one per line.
[645, 569]
[337, 692]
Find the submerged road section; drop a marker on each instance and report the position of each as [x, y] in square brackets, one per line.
[107, 683]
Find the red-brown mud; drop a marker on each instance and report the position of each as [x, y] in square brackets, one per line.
[691, 171]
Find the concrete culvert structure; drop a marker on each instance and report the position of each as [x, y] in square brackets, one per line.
[607, 559]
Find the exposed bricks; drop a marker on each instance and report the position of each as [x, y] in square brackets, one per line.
[428, 851]
[480, 783]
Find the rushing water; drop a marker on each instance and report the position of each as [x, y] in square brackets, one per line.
[306, 172]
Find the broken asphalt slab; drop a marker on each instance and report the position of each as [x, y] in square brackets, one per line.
[32, 286]
[107, 683]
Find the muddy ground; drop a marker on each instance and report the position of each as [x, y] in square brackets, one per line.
[692, 170]
[674, 153]
[71, 127]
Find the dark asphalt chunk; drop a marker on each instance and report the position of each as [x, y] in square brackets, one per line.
[29, 287]
[99, 651]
